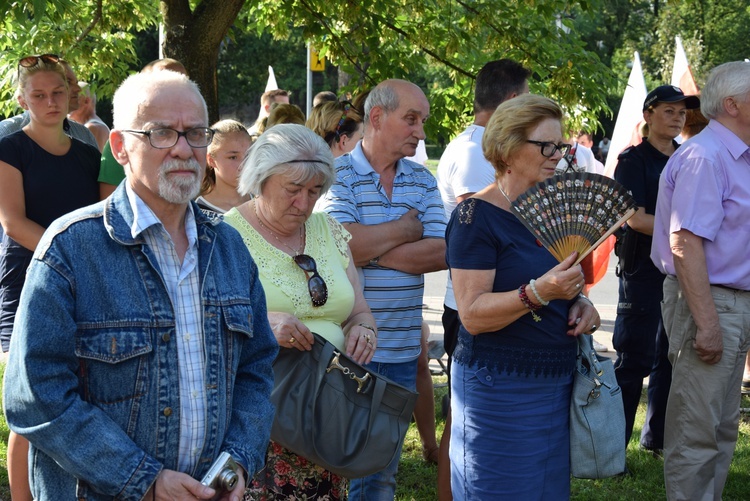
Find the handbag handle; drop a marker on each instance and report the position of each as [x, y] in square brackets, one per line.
[586, 347]
[325, 363]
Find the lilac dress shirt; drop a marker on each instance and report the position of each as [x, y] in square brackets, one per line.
[705, 189]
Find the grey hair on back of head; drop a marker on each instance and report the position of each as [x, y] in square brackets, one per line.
[726, 80]
[279, 151]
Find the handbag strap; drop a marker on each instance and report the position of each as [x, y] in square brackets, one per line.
[326, 355]
[586, 350]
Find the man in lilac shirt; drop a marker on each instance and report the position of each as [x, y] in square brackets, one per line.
[701, 242]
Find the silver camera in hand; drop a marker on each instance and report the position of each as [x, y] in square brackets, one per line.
[222, 476]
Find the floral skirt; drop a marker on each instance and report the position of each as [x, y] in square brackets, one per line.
[288, 476]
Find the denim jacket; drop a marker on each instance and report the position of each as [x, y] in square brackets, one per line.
[92, 378]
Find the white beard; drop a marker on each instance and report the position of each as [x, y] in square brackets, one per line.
[179, 190]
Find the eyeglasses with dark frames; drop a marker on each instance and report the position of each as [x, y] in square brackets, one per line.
[165, 137]
[549, 148]
[316, 286]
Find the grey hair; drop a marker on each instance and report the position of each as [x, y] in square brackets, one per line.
[727, 80]
[383, 96]
[279, 151]
[129, 97]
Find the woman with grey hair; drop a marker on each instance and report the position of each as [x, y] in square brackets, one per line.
[308, 275]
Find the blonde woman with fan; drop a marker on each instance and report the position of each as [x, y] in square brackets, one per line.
[639, 337]
[520, 312]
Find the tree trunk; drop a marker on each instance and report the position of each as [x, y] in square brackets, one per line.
[194, 38]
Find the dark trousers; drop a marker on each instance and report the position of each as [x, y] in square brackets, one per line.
[635, 340]
[659, 382]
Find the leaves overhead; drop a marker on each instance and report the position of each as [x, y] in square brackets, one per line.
[438, 44]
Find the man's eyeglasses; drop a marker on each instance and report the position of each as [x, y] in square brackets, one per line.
[316, 286]
[163, 138]
[549, 148]
[31, 61]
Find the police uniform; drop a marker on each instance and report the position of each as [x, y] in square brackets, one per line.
[639, 337]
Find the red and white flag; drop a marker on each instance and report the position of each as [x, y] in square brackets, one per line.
[682, 77]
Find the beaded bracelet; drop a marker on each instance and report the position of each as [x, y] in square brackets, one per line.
[528, 304]
[532, 284]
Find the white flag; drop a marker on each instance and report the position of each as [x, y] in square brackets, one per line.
[271, 84]
[629, 116]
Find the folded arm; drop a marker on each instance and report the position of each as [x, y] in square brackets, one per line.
[374, 240]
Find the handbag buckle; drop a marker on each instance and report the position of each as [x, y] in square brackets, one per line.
[596, 391]
[335, 364]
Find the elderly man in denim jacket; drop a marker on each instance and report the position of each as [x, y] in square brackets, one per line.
[141, 350]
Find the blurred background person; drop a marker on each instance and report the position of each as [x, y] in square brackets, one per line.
[520, 311]
[339, 124]
[44, 174]
[86, 115]
[285, 113]
[639, 337]
[308, 275]
[224, 157]
[266, 100]
[325, 96]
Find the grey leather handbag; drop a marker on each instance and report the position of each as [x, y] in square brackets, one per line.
[597, 419]
[336, 413]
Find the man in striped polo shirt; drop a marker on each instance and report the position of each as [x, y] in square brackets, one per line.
[393, 210]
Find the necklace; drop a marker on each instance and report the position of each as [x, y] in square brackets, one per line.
[301, 239]
[501, 191]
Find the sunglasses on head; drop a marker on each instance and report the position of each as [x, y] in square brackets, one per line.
[347, 107]
[31, 61]
[316, 286]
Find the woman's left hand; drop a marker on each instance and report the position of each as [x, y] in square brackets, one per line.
[583, 318]
[361, 343]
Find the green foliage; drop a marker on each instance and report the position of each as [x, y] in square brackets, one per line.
[712, 32]
[96, 37]
[400, 38]
[439, 44]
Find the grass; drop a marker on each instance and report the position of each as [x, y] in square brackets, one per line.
[417, 480]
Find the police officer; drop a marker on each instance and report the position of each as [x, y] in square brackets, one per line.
[639, 337]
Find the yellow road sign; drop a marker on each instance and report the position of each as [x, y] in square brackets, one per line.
[317, 63]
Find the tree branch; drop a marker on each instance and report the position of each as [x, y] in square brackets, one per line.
[432, 53]
[97, 17]
[337, 41]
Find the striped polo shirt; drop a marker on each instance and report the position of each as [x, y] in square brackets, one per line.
[394, 297]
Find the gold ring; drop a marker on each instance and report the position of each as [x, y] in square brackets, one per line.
[367, 338]
[291, 340]
[578, 286]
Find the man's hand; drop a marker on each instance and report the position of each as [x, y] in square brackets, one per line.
[172, 485]
[709, 344]
[412, 226]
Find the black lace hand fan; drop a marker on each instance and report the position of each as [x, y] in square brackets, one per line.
[574, 212]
